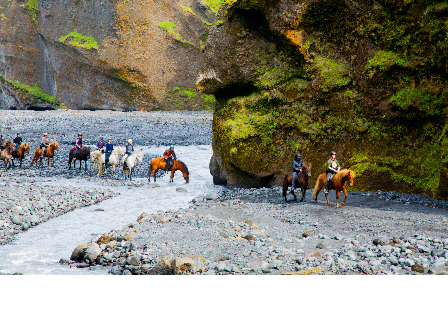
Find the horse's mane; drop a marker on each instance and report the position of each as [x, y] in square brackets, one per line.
[341, 174]
[185, 166]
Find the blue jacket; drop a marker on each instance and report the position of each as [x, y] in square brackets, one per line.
[109, 148]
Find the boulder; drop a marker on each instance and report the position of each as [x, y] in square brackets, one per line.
[129, 237]
[17, 220]
[249, 237]
[133, 261]
[104, 239]
[417, 268]
[140, 218]
[180, 189]
[306, 233]
[92, 252]
[165, 219]
[180, 265]
[211, 196]
[164, 267]
[75, 253]
[111, 244]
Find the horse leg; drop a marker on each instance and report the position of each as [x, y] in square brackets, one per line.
[326, 196]
[172, 176]
[303, 194]
[337, 198]
[345, 193]
[155, 172]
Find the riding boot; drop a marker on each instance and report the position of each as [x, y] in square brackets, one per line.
[328, 183]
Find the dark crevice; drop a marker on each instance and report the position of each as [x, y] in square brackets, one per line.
[235, 90]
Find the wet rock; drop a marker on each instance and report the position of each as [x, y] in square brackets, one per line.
[112, 244]
[133, 261]
[25, 227]
[320, 246]
[92, 253]
[211, 196]
[249, 237]
[418, 268]
[180, 189]
[104, 239]
[379, 241]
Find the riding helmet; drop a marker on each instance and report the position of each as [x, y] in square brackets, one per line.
[130, 141]
[171, 147]
[298, 156]
[333, 153]
[45, 134]
[80, 134]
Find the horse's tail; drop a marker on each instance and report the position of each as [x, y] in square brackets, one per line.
[285, 185]
[318, 187]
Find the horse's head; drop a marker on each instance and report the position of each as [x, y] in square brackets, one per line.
[55, 145]
[26, 147]
[349, 177]
[140, 156]
[306, 168]
[184, 169]
[7, 144]
[120, 151]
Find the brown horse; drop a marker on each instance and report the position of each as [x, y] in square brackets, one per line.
[48, 154]
[338, 183]
[5, 154]
[20, 154]
[302, 181]
[82, 155]
[159, 163]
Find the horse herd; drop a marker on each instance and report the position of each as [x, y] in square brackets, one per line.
[97, 157]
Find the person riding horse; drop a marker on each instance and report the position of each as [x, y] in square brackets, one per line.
[45, 143]
[332, 168]
[297, 165]
[78, 144]
[169, 157]
[17, 142]
[109, 147]
[101, 144]
[128, 151]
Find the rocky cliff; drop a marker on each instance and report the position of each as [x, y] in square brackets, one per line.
[103, 54]
[364, 78]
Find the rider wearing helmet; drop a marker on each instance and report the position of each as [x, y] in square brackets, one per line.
[78, 144]
[2, 142]
[128, 150]
[17, 142]
[297, 165]
[169, 157]
[332, 168]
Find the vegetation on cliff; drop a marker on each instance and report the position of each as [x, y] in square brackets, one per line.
[367, 79]
[77, 40]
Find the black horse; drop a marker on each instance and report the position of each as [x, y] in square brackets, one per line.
[302, 181]
[82, 155]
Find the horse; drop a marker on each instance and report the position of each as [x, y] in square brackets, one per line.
[20, 154]
[302, 181]
[5, 154]
[338, 183]
[48, 154]
[99, 159]
[159, 163]
[82, 155]
[130, 163]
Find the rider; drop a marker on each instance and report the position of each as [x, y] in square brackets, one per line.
[17, 142]
[332, 168]
[169, 157]
[45, 143]
[297, 165]
[78, 144]
[100, 144]
[2, 142]
[109, 148]
[128, 150]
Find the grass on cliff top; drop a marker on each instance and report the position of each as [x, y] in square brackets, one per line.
[77, 40]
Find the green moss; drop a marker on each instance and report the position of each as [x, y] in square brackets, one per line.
[34, 91]
[177, 98]
[188, 10]
[421, 99]
[382, 61]
[333, 74]
[208, 98]
[77, 40]
[219, 23]
[214, 5]
[169, 27]
[32, 6]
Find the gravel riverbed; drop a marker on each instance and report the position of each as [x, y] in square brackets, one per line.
[255, 232]
[234, 232]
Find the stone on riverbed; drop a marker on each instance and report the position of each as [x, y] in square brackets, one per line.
[211, 196]
[92, 252]
[75, 253]
[104, 239]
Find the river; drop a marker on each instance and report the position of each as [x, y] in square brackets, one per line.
[38, 250]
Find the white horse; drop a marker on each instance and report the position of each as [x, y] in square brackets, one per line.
[131, 162]
[114, 160]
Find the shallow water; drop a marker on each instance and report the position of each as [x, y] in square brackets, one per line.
[38, 250]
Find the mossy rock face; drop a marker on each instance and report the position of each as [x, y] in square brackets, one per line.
[367, 80]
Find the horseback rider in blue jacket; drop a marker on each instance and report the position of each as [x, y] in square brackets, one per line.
[109, 148]
[297, 165]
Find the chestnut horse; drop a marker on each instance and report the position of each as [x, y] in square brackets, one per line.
[83, 155]
[48, 154]
[20, 154]
[5, 154]
[159, 163]
[338, 183]
[302, 181]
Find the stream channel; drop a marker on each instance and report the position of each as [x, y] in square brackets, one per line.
[38, 250]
